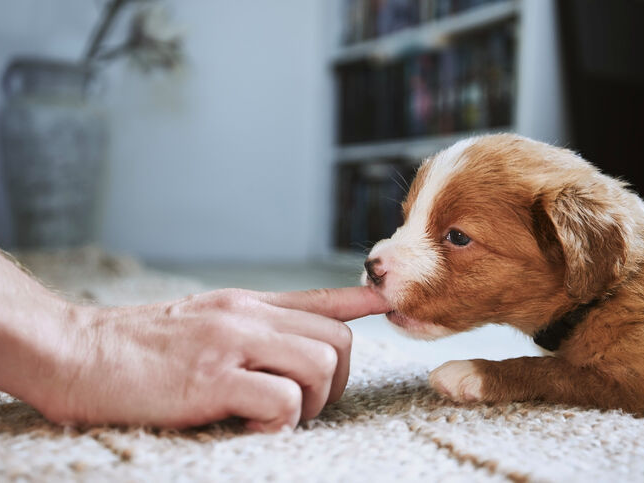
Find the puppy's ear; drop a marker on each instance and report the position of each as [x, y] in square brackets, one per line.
[583, 231]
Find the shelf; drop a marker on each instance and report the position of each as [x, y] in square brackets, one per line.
[429, 35]
[414, 149]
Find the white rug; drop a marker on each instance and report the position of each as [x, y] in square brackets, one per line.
[389, 426]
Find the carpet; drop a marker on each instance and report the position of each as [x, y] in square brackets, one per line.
[389, 426]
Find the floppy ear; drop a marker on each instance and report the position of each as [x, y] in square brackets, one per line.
[584, 232]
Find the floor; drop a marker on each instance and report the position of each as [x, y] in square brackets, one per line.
[389, 426]
[490, 342]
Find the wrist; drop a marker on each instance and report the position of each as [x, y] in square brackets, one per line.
[41, 349]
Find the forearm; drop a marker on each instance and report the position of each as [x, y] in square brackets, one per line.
[33, 323]
[180, 363]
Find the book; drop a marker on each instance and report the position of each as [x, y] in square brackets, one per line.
[369, 197]
[367, 19]
[467, 85]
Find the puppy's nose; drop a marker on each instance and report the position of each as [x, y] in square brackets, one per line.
[375, 270]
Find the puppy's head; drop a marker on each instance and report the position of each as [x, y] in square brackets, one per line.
[503, 229]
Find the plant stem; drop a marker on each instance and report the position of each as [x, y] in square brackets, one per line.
[107, 18]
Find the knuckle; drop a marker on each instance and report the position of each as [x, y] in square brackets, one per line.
[319, 295]
[326, 360]
[229, 299]
[179, 307]
[320, 292]
[290, 404]
[344, 337]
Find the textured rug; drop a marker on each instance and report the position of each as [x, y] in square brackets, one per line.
[389, 426]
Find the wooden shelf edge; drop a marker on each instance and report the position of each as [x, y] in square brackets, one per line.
[414, 149]
[428, 35]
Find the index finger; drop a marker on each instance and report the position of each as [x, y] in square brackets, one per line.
[337, 303]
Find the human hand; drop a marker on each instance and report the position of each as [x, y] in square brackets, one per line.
[271, 358]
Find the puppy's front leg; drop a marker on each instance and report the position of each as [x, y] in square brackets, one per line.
[548, 379]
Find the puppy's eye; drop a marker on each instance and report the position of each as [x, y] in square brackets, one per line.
[457, 238]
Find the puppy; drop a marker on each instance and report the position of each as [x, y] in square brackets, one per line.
[504, 229]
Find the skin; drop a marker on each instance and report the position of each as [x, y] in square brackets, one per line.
[270, 358]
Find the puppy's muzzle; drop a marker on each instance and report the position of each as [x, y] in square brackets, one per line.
[375, 270]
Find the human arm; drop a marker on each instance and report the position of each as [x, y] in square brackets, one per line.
[269, 358]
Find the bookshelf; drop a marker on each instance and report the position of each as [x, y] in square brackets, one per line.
[461, 35]
[413, 149]
[429, 34]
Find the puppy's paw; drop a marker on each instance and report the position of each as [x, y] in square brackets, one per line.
[458, 380]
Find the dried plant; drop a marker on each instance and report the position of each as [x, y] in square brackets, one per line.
[152, 41]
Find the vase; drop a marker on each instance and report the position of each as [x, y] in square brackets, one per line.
[53, 137]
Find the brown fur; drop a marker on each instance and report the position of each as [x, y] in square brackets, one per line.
[549, 232]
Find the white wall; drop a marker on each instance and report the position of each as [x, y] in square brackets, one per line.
[225, 160]
[230, 159]
[541, 103]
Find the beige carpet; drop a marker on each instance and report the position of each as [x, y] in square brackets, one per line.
[388, 427]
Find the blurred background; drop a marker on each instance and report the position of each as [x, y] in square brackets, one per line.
[268, 144]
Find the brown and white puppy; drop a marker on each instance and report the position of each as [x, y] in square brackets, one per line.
[504, 229]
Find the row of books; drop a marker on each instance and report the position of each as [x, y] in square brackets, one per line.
[366, 19]
[368, 201]
[466, 86]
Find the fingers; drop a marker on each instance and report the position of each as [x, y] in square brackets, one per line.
[337, 303]
[305, 314]
[317, 327]
[305, 346]
[308, 362]
[269, 402]
[281, 311]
